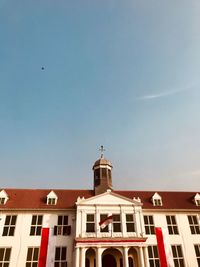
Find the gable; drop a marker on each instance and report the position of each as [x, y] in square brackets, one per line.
[108, 198]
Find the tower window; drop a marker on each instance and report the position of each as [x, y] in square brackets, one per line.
[97, 177]
[104, 172]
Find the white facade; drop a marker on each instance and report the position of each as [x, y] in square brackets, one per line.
[85, 247]
[74, 219]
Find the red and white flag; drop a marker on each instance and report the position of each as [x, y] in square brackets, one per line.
[164, 247]
[46, 256]
[106, 221]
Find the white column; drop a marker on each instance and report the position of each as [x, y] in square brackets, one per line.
[141, 257]
[146, 257]
[98, 257]
[125, 257]
[83, 250]
[123, 222]
[97, 220]
[77, 257]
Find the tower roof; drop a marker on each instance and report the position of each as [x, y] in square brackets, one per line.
[102, 161]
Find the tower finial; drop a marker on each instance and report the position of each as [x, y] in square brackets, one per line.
[102, 150]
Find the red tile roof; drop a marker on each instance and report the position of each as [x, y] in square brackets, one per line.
[36, 199]
[170, 199]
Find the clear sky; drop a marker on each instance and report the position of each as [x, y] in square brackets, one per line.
[77, 74]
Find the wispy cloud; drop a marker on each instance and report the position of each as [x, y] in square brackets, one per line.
[166, 93]
[190, 173]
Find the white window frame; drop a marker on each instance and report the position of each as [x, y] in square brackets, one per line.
[90, 222]
[197, 252]
[116, 223]
[62, 227]
[178, 257]
[172, 225]
[7, 250]
[153, 256]
[10, 225]
[149, 226]
[194, 224]
[59, 262]
[36, 227]
[130, 223]
[32, 261]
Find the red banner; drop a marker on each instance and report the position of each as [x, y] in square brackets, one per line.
[43, 247]
[161, 247]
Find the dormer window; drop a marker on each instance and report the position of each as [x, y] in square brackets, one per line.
[197, 199]
[51, 201]
[157, 200]
[3, 197]
[52, 198]
[2, 200]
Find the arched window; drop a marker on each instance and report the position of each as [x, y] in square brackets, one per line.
[130, 262]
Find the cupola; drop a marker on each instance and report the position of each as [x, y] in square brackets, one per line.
[102, 174]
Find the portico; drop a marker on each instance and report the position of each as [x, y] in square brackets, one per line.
[112, 253]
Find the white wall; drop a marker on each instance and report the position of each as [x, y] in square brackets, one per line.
[22, 239]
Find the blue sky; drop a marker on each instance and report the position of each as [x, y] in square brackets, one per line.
[123, 74]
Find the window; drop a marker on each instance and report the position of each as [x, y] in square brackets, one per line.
[52, 198]
[32, 257]
[102, 218]
[130, 225]
[197, 251]
[3, 197]
[153, 256]
[36, 225]
[172, 225]
[90, 224]
[149, 225]
[178, 256]
[116, 223]
[51, 201]
[197, 199]
[5, 257]
[2, 200]
[62, 228]
[157, 200]
[9, 227]
[194, 224]
[60, 257]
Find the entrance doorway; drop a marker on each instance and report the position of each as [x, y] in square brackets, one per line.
[109, 260]
[112, 257]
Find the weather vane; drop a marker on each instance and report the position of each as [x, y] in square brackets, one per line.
[102, 150]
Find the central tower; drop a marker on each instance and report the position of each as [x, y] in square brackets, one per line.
[102, 174]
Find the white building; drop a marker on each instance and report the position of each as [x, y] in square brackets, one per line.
[76, 238]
